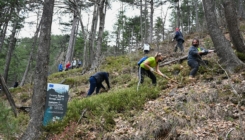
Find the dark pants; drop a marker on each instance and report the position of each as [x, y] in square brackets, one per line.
[180, 45]
[148, 73]
[146, 51]
[194, 67]
[93, 85]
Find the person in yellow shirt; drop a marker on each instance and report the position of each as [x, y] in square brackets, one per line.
[147, 68]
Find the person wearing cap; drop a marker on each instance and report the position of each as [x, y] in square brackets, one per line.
[96, 82]
[147, 68]
[180, 40]
[194, 57]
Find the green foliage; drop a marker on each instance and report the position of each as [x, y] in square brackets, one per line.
[106, 105]
[9, 125]
[241, 56]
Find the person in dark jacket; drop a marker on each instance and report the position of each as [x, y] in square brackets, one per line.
[16, 84]
[180, 40]
[194, 57]
[96, 82]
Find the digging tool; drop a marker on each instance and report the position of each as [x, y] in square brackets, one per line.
[164, 76]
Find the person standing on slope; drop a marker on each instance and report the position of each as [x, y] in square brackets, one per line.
[180, 40]
[195, 57]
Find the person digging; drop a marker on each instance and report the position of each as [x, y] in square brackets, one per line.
[147, 68]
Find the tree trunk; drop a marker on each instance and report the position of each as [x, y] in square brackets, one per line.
[233, 26]
[11, 47]
[102, 14]
[85, 49]
[241, 9]
[222, 45]
[92, 34]
[4, 26]
[197, 17]
[33, 130]
[163, 25]
[141, 24]
[145, 14]
[31, 55]
[8, 95]
[151, 26]
[72, 39]
[178, 15]
[117, 40]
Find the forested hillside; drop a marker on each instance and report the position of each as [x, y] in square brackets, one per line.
[208, 105]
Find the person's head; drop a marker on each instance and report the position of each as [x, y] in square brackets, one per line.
[195, 42]
[158, 57]
[177, 29]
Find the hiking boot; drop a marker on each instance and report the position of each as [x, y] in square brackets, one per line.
[192, 78]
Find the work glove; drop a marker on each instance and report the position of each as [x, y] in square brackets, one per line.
[151, 69]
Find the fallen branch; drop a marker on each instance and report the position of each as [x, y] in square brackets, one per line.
[82, 115]
[228, 133]
[173, 61]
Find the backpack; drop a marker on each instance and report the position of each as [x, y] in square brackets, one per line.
[142, 60]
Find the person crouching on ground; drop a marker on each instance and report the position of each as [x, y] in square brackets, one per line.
[147, 68]
[96, 82]
[195, 57]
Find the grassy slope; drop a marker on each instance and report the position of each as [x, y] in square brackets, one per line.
[123, 104]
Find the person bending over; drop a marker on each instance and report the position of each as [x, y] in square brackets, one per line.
[96, 82]
[147, 68]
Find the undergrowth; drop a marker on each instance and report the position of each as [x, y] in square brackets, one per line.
[9, 125]
[105, 105]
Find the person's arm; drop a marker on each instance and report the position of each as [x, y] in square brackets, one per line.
[102, 86]
[204, 51]
[107, 81]
[158, 71]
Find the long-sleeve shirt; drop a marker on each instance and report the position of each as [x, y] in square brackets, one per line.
[100, 77]
[68, 65]
[193, 53]
[178, 36]
[60, 68]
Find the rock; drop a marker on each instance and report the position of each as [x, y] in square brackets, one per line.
[181, 98]
[242, 102]
[173, 92]
[234, 100]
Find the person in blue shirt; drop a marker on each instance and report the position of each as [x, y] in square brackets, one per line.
[60, 67]
[96, 82]
[180, 40]
[194, 57]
